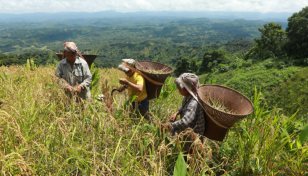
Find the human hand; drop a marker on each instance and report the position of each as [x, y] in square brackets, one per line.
[122, 88]
[69, 88]
[123, 81]
[166, 127]
[78, 89]
[173, 117]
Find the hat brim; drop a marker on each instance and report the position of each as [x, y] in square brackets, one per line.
[123, 68]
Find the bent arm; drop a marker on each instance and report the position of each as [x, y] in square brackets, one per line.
[187, 119]
[137, 88]
[59, 74]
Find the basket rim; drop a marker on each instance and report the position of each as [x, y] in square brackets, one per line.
[237, 115]
[167, 73]
[81, 54]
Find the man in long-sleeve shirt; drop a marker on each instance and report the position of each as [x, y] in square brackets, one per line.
[75, 71]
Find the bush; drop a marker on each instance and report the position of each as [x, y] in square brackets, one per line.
[223, 68]
[247, 63]
[280, 65]
[268, 63]
[305, 61]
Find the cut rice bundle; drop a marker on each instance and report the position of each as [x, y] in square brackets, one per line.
[152, 71]
[219, 105]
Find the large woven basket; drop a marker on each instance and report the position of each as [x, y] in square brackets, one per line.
[88, 57]
[240, 105]
[153, 90]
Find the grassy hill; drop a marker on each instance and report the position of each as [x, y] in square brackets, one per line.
[282, 85]
[44, 133]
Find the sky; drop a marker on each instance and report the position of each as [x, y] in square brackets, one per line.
[52, 6]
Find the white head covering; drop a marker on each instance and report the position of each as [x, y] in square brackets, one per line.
[130, 62]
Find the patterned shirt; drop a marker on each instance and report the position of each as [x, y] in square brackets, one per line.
[192, 115]
[78, 75]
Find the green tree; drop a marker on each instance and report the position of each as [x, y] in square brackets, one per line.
[297, 32]
[211, 59]
[273, 37]
[182, 66]
[194, 65]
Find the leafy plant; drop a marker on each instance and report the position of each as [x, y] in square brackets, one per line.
[209, 79]
[303, 136]
[180, 168]
[167, 88]
[95, 77]
[28, 65]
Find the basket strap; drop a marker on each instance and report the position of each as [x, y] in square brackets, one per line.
[140, 73]
[195, 97]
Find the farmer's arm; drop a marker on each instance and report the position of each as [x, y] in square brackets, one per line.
[59, 75]
[188, 117]
[136, 87]
[87, 77]
[173, 117]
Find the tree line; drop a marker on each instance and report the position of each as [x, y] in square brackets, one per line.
[282, 46]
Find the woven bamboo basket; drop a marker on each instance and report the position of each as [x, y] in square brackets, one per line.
[153, 90]
[88, 57]
[240, 105]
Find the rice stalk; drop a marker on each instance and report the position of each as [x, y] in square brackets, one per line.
[218, 104]
[43, 132]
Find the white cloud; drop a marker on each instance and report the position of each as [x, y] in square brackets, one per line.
[31, 6]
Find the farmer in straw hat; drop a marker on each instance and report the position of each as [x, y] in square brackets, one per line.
[191, 112]
[74, 70]
[135, 85]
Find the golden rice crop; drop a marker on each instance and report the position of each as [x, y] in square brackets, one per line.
[42, 132]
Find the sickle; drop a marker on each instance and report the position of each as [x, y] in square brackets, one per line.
[113, 91]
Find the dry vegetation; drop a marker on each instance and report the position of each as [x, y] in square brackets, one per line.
[218, 104]
[153, 71]
[44, 133]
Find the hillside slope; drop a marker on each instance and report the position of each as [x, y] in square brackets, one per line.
[284, 87]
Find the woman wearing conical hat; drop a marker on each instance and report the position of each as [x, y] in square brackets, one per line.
[74, 69]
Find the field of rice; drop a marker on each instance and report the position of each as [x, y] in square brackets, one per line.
[42, 132]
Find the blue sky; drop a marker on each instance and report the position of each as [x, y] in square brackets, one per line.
[51, 6]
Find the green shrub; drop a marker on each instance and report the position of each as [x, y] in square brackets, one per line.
[268, 63]
[280, 65]
[223, 68]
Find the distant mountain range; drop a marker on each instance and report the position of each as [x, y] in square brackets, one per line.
[42, 17]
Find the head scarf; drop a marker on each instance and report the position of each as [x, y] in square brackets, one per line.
[130, 62]
[71, 47]
[188, 81]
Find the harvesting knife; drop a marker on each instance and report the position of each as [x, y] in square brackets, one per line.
[113, 91]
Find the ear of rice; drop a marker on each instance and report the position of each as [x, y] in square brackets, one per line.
[153, 71]
[218, 104]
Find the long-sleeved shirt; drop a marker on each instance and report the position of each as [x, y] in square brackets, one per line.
[78, 75]
[192, 115]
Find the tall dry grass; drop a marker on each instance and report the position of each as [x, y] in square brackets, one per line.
[44, 133]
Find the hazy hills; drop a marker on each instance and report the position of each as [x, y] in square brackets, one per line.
[40, 17]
